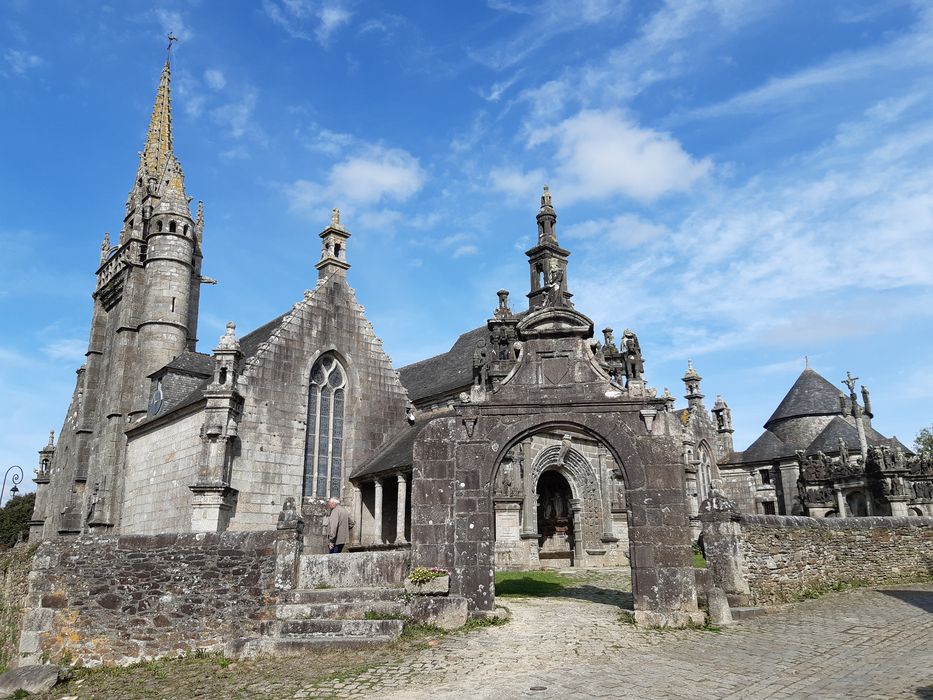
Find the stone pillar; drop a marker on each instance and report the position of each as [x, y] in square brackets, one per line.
[356, 534]
[605, 478]
[377, 513]
[790, 472]
[722, 536]
[840, 503]
[576, 506]
[529, 507]
[400, 514]
[693, 493]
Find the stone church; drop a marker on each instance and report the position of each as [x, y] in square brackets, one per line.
[160, 437]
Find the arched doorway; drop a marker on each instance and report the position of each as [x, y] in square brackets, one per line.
[855, 501]
[555, 520]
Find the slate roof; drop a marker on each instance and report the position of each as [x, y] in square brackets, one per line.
[811, 395]
[768, 446]
[395, 454]
[191, 363]
[828, 440]
[445, 372]
[202, 364]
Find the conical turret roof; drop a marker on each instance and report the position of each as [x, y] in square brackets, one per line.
[811, 395]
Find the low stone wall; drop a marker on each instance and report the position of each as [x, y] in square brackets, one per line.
[15, 565]
[355, 569]
[781, 558]
[115, 600]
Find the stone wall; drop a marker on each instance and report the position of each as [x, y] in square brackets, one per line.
[784, 557]
[353, 569]
[164, 462]
[15, 565]
[116, 600]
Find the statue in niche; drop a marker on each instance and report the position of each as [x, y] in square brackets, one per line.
[480, 364]
[632, 360]
[843, 452]
[898, 458]
[555, 279]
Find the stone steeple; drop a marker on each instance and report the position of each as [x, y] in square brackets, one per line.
[548, 261]
[158, 146]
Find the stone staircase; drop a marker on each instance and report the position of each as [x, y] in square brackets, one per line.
[328, 618]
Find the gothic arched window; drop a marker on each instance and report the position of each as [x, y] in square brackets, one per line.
[705, 474]
[324, 438]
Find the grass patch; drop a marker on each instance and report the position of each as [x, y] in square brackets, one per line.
[530, 584]
[478, 623]
[698, 561]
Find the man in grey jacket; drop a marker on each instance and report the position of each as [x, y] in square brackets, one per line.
[338, 531]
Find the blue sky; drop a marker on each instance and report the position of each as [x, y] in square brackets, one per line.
[742, 182]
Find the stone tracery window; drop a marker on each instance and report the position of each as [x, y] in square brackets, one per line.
[323, 464]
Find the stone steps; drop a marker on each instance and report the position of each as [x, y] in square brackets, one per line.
[747, 613]
[312, 619]
[342, 595]
[355, 610]
[332, 628]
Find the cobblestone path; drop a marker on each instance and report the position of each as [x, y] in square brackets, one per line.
[860, 644]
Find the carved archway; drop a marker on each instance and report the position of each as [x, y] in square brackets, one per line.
[583, 483]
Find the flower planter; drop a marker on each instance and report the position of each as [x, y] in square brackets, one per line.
[436, 586]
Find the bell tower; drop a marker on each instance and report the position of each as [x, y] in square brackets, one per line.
[548, 261]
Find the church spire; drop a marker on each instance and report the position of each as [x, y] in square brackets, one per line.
[158, 146]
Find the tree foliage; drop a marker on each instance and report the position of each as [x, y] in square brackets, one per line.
[14, 519]
[923, 443]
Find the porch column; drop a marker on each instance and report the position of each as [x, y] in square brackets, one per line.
[605, 478]
[377, 513]
[790, 472]
[529, 508]
[356, 534]
[576, 506]
[400, 514]
[840, 503]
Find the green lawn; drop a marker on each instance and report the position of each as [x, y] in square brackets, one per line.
[529, 583]
[698, 561]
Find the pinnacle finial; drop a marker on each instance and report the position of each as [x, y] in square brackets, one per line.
[228, 341]
[546, 197]
[335, 218]
[52, 438]
[168, 49]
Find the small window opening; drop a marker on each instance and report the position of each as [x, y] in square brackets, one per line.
[765, 475]
[185, 230]
[171, 227]
[223, 375]
[173, 303]
[160, 225]
[140, 183]
[337, 250]
[768, 507]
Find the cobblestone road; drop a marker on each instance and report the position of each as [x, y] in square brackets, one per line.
[860, 644]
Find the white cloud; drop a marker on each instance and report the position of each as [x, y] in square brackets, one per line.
[237, 116]
[70, 349]
[625, 230]
[303, 19]
[329, 142]
[20, 61]
[215, 79]
[373, 175]
[820, 248]
[546, 19]
[517, 183]
[602, 154]
[468, 249]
